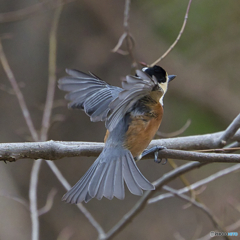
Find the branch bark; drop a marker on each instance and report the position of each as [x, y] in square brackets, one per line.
[54, 150]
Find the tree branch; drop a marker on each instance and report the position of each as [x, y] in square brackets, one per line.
[140, 205]
[201, 206]
[230, 131]
[18, 93]
[30, 11]
[178, 37]
[53, 150]
[197, 184]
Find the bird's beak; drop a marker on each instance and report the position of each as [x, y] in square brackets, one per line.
[171, 77]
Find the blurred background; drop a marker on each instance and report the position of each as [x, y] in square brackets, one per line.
[206, 62]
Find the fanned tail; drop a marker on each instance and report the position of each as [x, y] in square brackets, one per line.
[105, 178]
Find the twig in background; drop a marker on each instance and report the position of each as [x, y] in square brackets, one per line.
[33, 199]
[178, 37]
[67, 186]
[142, 202]
[31, 10]
[126, 36]
[52, 75]
[49, 202]
[16, 199]
[18, 93]
[176, 133]
[201, 206]
[45, 123]
[198, 183]
[36, 166]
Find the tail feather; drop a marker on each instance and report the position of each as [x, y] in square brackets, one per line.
[129, 179]
[137, 175]
[109, 182]
[100, 191]
[78, 191]
[106, 178]
[96, 178]
[118, 181]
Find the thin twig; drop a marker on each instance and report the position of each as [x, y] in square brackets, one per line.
[33, 199]
[220, 150]
[126, 36]
[52, 74]
[67, 186]
[201, 206]
[140, 205]
[18, 93]
[176, 133]
[198, 183]
[45, 123]
[49, 203]
[178, 37]
[37, 164]
[22, 201]
[31, 10]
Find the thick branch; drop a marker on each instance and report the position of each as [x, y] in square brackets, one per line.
[54, 150]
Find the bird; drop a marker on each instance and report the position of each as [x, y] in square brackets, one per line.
[132, 115]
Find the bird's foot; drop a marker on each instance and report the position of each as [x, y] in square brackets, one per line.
[156, 150]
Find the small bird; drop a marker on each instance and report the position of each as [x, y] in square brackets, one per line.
[132, 116]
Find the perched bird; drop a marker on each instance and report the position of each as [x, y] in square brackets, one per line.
[132, 115]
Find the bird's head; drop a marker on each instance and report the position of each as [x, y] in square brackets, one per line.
[162, 77]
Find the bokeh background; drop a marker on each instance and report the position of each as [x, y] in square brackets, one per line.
[206, 62]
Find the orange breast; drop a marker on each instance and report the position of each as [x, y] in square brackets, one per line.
[142, 130]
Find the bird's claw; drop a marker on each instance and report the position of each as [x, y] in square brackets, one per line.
[156, 160]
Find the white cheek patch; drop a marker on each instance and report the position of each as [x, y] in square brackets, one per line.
[164, 87]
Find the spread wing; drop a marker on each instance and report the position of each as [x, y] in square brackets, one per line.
[89, 93]
[134, 89]
[101, 101]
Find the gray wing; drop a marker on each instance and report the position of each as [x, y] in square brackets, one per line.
[135, 88]
[89, 93]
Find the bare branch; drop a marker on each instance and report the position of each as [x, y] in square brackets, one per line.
[67, 186]
[126, 36]
[178, 37]
[140, 205]
[201, 206]
[51, 150]
[49, 202]
[197, 184]
[230, 131]
[33, 199]
[16, 199]
[52, 74]
[176, 133]
[31, 10]
[18, 93]
[45, 123]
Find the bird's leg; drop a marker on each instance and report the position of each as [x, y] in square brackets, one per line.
[156, 150]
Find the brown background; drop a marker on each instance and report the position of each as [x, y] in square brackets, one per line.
[206, 62]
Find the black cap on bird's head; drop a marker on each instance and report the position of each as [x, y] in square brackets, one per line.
[162, 77]
[160, 74]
